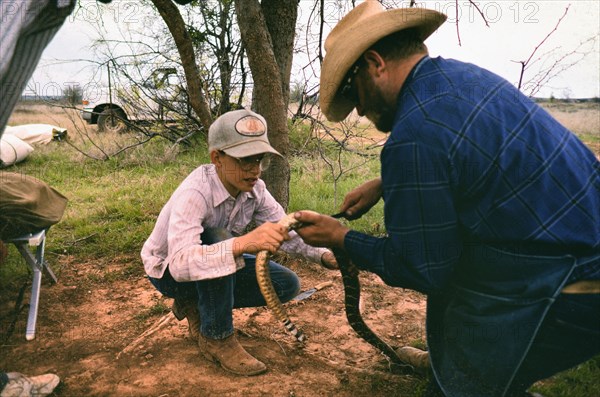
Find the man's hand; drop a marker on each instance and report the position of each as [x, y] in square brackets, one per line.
[328, 261]
[321, 230]
[361, 199]
[268, 236]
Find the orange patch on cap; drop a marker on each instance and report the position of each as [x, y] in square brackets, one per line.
[250, 126]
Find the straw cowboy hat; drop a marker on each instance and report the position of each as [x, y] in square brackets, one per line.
[353, 35]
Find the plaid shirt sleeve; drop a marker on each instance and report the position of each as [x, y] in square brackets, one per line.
[423, 241]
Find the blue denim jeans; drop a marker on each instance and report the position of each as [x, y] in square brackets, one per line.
[569, 335]
[218, 297]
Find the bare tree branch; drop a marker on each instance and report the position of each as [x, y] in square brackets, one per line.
[525, 63]
[321, 26]
[457, 19]
[558, 66]
[172, 17]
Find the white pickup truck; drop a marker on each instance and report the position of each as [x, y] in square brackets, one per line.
[162, 97]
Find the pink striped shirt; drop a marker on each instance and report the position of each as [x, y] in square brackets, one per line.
[201, 201]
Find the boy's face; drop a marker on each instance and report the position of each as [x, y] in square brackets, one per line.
[237, 175]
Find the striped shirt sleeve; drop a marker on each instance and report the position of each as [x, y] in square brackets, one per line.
[26, 29]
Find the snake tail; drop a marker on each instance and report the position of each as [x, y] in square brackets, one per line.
[270, 295]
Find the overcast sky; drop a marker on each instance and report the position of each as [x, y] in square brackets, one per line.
[515, 29]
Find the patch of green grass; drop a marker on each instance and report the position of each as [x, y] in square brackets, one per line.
[317, 186]
[113, 204]
[14, 271]
[581, 381]
[157, 309]
[589, 138]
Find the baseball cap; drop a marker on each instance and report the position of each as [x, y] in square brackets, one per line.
[240, 133]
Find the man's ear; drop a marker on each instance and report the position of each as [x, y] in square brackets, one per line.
[375, 62]
[215, 157]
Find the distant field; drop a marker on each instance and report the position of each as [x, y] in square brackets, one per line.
[578, 117]
[581, 118]
[40, 113]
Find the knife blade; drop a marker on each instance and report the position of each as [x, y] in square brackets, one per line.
[309, 292]
[339, 215]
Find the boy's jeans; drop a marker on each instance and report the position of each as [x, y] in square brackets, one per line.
[218, 297]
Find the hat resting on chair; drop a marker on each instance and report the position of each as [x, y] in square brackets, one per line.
[362, 27]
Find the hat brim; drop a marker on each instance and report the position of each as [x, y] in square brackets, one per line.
[358, 39]
[250, 148]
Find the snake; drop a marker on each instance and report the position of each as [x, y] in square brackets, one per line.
[263, 277]
[351, 285]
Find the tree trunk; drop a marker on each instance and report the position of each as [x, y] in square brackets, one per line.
[172, 17]
[280, 16]
[270, 63]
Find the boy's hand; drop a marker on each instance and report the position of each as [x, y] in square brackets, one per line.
[268, 236]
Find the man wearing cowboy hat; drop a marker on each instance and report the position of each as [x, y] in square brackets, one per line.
[492, 208]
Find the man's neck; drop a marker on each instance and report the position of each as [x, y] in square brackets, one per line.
[403, 68]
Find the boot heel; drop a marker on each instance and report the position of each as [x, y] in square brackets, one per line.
[202, 345]
[178, 311]
[209, 357]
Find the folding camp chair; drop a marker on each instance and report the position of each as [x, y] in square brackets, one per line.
[37, 264]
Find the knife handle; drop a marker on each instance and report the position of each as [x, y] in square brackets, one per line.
[324, 284]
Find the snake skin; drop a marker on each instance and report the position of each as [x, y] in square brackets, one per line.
[266, 286]
[351, 300]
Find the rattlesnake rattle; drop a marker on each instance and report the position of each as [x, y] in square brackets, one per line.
[351, 291]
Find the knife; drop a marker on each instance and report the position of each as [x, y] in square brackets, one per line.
[309, 292]
[339, 215]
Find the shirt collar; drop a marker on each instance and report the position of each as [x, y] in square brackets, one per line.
[414, 71]
[416, 68]
[411, 76]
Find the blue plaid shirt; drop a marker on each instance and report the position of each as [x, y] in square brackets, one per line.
[471, 160]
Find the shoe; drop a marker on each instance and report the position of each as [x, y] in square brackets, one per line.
[188, 309]
[231, 355]
[418, 358]
[20, 385]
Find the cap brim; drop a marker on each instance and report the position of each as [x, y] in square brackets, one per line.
[250, 148]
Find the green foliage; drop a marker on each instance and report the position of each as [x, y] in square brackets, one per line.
[73, 94]
[300, 136]
[579, 381]
[14, 271]
[113, 204]
[310, 171]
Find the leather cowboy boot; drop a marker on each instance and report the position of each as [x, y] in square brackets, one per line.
[231, 355]
[183, 308]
